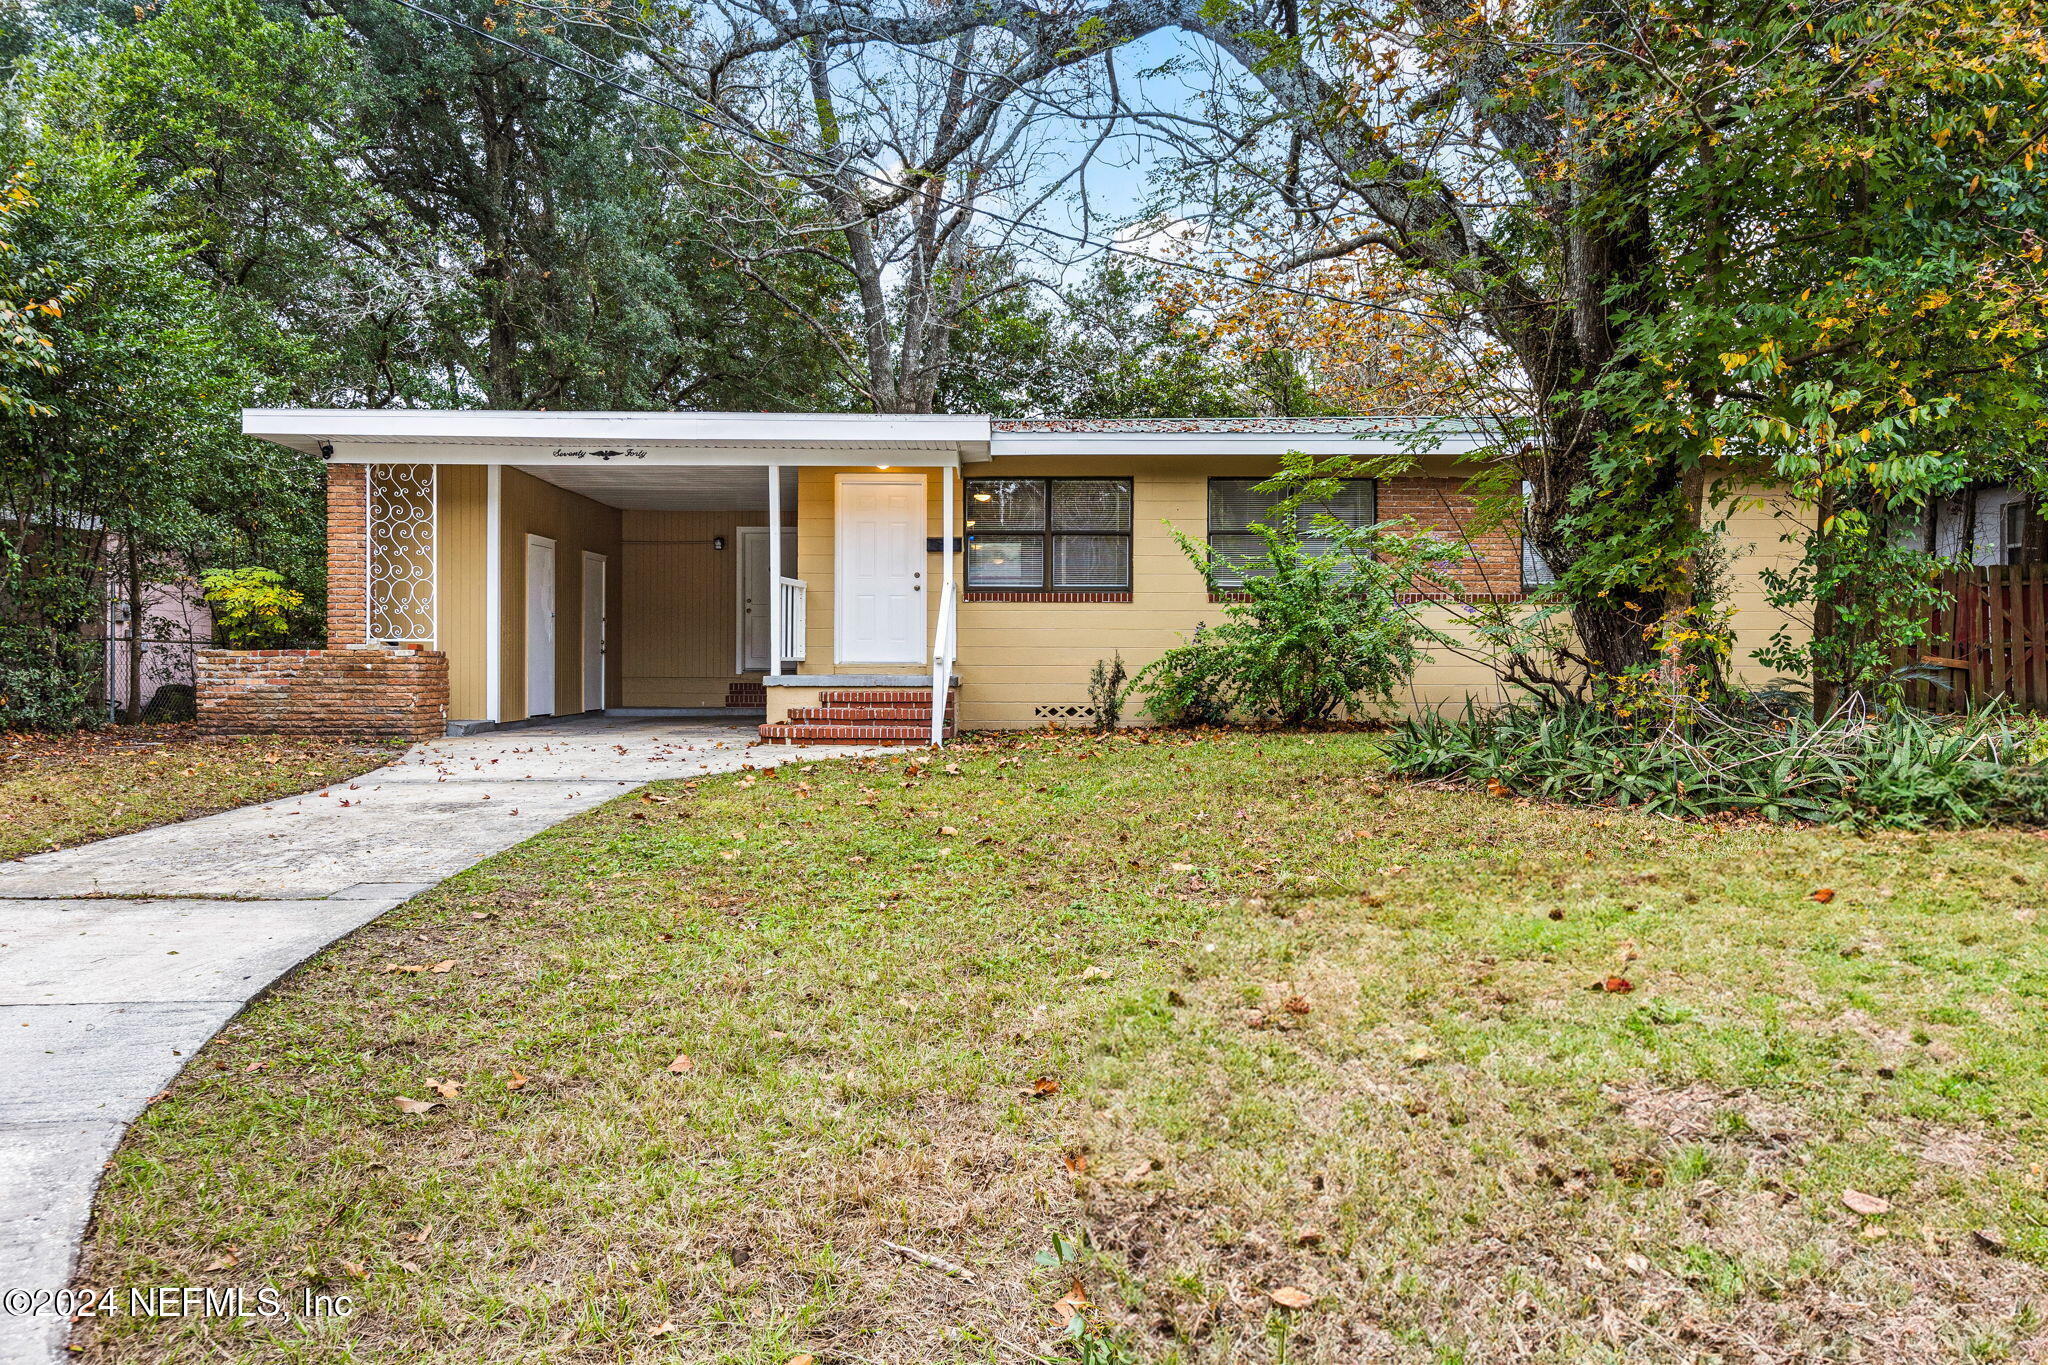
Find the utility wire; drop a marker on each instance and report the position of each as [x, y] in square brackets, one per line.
[782, 149]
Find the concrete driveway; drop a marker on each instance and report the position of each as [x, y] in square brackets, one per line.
[119, 959]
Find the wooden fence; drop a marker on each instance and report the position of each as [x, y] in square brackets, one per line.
[1992, 640]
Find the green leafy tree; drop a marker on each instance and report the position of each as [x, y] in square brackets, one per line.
[113, 460]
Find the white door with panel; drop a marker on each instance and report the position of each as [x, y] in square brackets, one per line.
[754, 587]
[540, 626]
[880, 566]
[593, 631]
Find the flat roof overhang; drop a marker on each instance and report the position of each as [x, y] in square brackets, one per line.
[1437, 439]
[619, 439]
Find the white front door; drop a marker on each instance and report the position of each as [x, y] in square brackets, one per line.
[880, 569]
[593, 631]
[540, 626]
[754, 606]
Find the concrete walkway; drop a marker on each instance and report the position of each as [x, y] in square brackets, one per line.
[119, 959]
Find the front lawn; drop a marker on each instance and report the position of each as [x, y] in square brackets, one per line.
[60, 790]
[1463, 1077]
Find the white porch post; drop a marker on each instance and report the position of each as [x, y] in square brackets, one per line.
[947, 473]
[774, 570]
[494, 592]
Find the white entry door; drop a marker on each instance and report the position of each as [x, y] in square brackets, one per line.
[754, 609]
[540, 626]
[593, 631]
[881, 564]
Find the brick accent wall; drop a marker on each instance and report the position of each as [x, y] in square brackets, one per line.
[385, 693]
[1441, 504]
[348, 554]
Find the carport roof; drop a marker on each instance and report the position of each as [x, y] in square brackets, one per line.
[481, 436]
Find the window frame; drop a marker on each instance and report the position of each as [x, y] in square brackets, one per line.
[1235, 581]
[1048, 534]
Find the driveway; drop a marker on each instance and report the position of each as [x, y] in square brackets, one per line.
[119, 959]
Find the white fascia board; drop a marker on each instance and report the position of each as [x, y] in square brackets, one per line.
[631, 455]
[1249, 445]
[757, 433]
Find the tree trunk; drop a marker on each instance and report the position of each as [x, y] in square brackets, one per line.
[133, 713]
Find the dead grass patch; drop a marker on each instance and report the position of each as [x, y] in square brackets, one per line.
[57, 791]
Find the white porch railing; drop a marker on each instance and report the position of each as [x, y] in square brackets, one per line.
[793, 593]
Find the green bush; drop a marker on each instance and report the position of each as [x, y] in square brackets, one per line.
[1188, 685]
[252, 608]
[48, 681]
[1314, 633]
[1899, 769]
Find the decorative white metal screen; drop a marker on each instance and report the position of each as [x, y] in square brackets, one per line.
[401, 569]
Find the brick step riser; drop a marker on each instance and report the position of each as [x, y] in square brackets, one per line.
[848, 734]
[882, 697]
[853, 715]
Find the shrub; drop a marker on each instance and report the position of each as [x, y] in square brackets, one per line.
[1106, 687]
[252, 607]
[1187, 686]
[1899, 769]
[48, 681]
[1315, 633]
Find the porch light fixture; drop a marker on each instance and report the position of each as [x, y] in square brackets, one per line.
[718, 542]
[984, 497]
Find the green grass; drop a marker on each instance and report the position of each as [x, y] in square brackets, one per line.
[57, 791]
[1236, 1012]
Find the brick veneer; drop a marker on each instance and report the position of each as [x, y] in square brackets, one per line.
[388, 693]
[348, 557]
[1441, 504]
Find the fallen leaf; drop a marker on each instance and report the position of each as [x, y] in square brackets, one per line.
[412, 1106]
[447, 1090]
[1139, 1172]
[1989, 1239]
[802, 1360]
[661, 1331]
[1291, 1296]
[682, 1063]
[225, 1261]
[1044, 1086]
[1824, 895]
[1638, 1265]
[1296, 1005]
[947, 831]
[1069, 1307]
[1077, 1162]
[443, 967]
[1617, 985]
[1869, 1205]
[515, 1081]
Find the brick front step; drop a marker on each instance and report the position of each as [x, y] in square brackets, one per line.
[866, 732]
[881, 696]
[845, 715]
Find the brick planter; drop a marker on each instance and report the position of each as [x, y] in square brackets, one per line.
[381, 693]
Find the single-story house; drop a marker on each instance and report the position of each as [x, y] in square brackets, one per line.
[827, 569]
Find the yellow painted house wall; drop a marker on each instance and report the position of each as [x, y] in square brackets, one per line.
[1755, 522]
[672, 598]
[1018, 657]
[463, 511]
[817, 501]
[679, 632]
[535, 507]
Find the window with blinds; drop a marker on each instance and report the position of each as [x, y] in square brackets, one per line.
[1235, 504]
[1050, 534]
